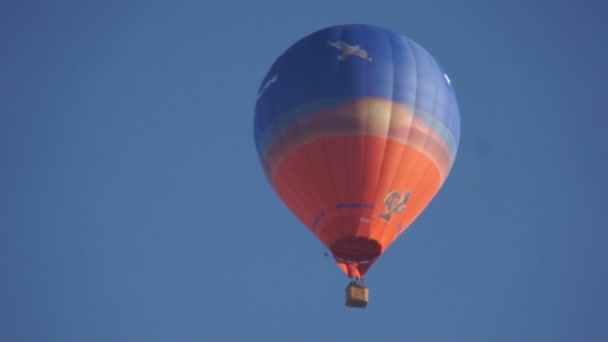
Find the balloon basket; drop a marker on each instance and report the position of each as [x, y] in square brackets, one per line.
[357, 295]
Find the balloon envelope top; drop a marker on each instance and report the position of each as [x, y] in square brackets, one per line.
[356, 128]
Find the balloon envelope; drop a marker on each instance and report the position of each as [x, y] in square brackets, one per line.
[357, 128]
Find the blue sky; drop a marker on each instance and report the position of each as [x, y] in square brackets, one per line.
[133, 206]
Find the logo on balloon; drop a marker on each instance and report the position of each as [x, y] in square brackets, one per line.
[268, 84]
[349, 50]
[395, 204]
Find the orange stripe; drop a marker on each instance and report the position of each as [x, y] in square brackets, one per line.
[355, 169]
[373, 117]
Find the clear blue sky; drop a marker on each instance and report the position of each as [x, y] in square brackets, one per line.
[133, 206]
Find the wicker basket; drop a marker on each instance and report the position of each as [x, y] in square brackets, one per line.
[357, 296]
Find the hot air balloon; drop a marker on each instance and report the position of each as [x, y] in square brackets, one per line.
[356, 128]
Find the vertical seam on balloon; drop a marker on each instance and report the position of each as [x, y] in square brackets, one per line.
[390, 120]
[426, 138]
[382, 229]
[347, 176]
[415, 109]
[289, 183]
[406, 144]
[446, 120]
[363, 153]
[434, 108]
[442, 118]
[453, 118]
[309, 206]
[354, 213]
[311, 169]
[271, 174]
[425, 142]
[333, 231]
[289, 179]
[343, 138]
